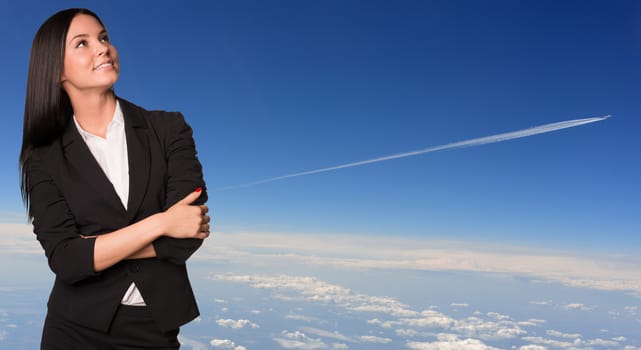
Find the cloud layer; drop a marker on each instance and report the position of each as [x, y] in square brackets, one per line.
[417, 329]
[384, 319]
[350, 252]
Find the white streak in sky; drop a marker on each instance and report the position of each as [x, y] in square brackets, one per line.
[468, 143]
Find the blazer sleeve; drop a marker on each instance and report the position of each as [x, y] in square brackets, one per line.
[69, 255]
[184, 175]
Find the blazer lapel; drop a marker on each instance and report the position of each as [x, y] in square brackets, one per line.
[138, 153]
[86, 168]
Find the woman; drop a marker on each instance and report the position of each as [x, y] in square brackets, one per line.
[115, 193]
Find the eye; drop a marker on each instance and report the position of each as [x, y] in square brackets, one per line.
[81, 43]
[104, 39]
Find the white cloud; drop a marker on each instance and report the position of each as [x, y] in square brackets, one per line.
[558, 334]
[395, 309]
[222, 343]
[450, 342]
[226, 344]
[18, 239]
[374, 339]
[577, 306]
[533, 347]
[600, 342]
[532, 322]
[500, 327]
[632, 310]
[615, 273]
[236, 324]
[498, 316]
[315, 290]
[459, 305]
[605, 272]
[407, 333]
[572, 342]
[340, 346]
[298, 340]
[469, 332]
[426, 319]
[301, 318]
[548, 342]
[486, 329]
[326, 334]
[310, 289]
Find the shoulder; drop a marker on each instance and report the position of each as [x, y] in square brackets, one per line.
[167, 127]
[46, 154]
[157, 119]
[43, 163]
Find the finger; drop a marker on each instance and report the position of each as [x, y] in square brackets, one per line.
[204, 209]
[190, 198]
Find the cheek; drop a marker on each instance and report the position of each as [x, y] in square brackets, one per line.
[66, 69]
[114, 54]
[74, 65]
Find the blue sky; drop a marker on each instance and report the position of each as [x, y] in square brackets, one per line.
[278, 87]
[527, 244]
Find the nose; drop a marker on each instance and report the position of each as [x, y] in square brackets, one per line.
[102, 48]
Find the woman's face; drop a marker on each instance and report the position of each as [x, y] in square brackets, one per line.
[90, 62]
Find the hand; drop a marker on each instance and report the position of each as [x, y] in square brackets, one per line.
[184, 220]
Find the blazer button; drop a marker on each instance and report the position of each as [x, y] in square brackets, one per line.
[134, 268]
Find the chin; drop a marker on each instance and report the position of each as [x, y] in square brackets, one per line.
[107, 84]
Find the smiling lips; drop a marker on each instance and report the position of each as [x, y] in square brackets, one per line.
[105, 65]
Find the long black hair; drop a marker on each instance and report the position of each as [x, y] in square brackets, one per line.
[47, 106]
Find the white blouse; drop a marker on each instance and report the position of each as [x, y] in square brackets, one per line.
[111, 155]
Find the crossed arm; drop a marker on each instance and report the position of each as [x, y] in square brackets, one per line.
[182, 220]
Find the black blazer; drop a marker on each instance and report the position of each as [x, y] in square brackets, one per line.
[71, 196]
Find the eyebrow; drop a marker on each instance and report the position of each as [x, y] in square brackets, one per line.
[104, 31]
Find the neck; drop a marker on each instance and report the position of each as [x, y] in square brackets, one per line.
[94, 111]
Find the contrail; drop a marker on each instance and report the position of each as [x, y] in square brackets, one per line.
[468, 143]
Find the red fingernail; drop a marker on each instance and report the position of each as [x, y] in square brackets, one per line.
[199, 189]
